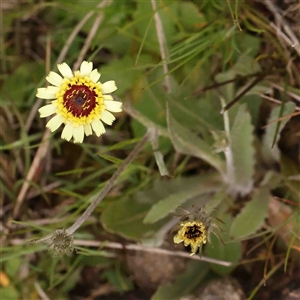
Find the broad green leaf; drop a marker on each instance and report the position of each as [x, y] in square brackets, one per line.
[241, 164]
[246, 65]
[190, 16]
[186, 142]
[252, 216]
[269, 152]
[184, 191]
[12, 267]
[185, 283]
[125, 217]
[230, 251]
[247, 44]
[9, 293]
[122, 71]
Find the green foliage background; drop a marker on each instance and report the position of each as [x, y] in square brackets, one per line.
[223, 161]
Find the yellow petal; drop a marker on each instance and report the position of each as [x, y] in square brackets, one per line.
[98, 127]
[54, 79]
[67, 132]
[107, 117]
[47, 110]
[113, 106]
[78, 134]
[95, 75]
[109, 87]
[54, 123]
[87, 129]
[43, 93]
[65, 70]
[86, 68]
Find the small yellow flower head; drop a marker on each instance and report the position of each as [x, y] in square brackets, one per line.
[196, 229]
[79, 101]
[191, 233]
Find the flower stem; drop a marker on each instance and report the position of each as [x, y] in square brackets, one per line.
[133, 154]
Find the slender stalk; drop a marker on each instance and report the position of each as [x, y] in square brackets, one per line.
[162, 44]
[135, 247]
[133, 154]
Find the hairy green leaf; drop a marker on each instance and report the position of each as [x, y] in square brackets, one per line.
[125, 217]
[230, 251]
[241, 164]
[186, 142]
[269, 152]
[252, 216]
[185, 190]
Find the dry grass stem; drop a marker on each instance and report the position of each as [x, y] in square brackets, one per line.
[162, 45]
[132, 155]
[136, 247]
[91, 34]
[275, 100]
[40, 291]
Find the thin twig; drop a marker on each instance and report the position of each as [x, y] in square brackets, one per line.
[274, 100]
[284, 37]
[280, 88]
[162, 45]
[290, 38]
[91, 34]
[40, 154]
[219, 84]
[74, 34]
[45, 189]
[133, 154]
[242, 93]
[136, 247]
[40, 291]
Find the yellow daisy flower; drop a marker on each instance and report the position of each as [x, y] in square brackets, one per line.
[79, 101]
[193, 234]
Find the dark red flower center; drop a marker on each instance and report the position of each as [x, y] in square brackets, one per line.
[80, 100]
[193, 232]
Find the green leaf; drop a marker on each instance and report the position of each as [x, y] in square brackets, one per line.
[230, 251]
[270, 153]
[186, 142]
[125, 217]
[122, 71]
[252, 216]
[9, 293]
[12, 266]
[186, 189]
[112, 159]
[144, 13]
[185, 283]
[190, 16]
[246, 65]
[241, 168]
